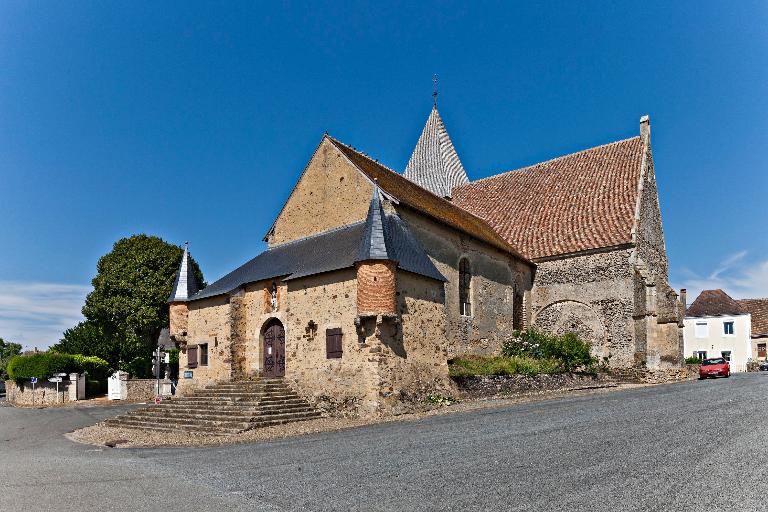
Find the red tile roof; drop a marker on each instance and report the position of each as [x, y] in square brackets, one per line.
[758, 308]
[714, 303]
[577, 202]
[411, 194]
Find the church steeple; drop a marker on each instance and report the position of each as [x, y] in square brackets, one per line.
[434, 164]
[186, 284]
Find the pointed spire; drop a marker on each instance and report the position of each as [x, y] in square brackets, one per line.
[373, 245]
[186, 284]
[434, 164]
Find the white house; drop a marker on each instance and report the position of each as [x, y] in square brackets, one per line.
[716, 325]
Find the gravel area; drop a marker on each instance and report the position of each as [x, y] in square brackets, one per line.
[114, 437]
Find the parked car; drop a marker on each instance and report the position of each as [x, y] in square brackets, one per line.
[714, 367]
[764, 366]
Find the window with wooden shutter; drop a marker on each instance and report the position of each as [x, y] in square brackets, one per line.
[192, 357]
[333, 348]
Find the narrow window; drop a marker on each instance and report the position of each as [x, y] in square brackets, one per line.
[192, 357]
[701, 354]
[203, 354]
[728, 328]
[701, 330]
[465, 282]
[761, 352]
[333, 347]
[517, 310]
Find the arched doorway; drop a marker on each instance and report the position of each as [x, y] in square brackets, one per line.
[274, 349]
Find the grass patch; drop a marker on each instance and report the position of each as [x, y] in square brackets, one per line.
[472, 366]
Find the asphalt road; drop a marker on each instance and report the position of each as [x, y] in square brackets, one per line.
[690, 446]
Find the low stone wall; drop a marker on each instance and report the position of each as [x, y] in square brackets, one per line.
[657, 376]
[491, 385]
[44, 393]
[140, 390]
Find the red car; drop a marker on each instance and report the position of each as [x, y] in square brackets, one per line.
[715, 367]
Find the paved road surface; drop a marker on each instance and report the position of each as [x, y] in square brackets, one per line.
[690, 446]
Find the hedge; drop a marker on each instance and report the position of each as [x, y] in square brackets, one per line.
[46, 364]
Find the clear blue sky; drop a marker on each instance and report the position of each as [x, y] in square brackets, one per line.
[193, 120]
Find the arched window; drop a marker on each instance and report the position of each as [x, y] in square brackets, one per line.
[465, 282]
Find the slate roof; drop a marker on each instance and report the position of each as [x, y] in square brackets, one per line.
[418, 198]
[373, 245]
[434, 164]
[758, 308]
[715, 303]
[577, 202]
[186, 284]
[331, 250]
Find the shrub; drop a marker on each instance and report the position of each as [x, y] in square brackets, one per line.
[95, 367]
[472, 366]
[569, 349]
[41, 365]
[692, 360]
[46, 364]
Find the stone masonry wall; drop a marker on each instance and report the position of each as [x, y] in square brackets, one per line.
[44, 393]
[179, 321]
[592, 295]
[315, 304]
[209, 322]
[376, 287]
[330, 193]
[496, 277]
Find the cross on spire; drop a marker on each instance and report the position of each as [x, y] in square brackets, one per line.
[434, 90]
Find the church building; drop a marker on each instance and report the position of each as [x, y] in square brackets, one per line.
[373, 280]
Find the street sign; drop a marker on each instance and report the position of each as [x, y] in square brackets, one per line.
[33, 380]
[54, 379]
[187, 374]
[158, 399]
[59, 374]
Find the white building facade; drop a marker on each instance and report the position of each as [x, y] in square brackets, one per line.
[716, 325]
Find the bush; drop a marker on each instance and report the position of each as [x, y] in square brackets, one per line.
[95, 367]
[472, 366]
[570, 351]
[46, 364]
[692, 360]
[41, 365]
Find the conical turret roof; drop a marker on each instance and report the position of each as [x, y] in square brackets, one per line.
[434, 164]
[373, 245]
[186, 284]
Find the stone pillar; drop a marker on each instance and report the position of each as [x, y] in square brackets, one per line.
[376, 288]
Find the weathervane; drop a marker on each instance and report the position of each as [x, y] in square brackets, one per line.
[434, 90]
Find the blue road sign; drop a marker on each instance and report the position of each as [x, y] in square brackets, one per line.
[33, 380]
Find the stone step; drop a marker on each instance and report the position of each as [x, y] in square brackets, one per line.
[141, 425]
[211, 423]
[192, 413]
[207, 408]
[286, 415]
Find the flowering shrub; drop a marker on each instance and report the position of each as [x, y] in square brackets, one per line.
[471, 366]
[441, 400]
[570, 351]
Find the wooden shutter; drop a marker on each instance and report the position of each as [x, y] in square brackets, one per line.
[192, 357]
[333, 347]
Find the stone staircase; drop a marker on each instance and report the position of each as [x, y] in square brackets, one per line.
[226, 408]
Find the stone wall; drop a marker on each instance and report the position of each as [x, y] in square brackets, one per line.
[330, 193]
[496, 277]
[141, 390]
[315, 304]
[656, 375]
[178, 313]
[44, 393]
[591, 295]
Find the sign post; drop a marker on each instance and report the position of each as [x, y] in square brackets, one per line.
[33, 380]
[57, 378]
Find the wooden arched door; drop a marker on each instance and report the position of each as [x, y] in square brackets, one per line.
[274, 350]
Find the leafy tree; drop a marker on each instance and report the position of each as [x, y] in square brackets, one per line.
[89, 339]
[128, 304]
[7, 351]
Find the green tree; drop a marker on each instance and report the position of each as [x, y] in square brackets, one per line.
[7, 351]
[128, 305]
[89, 339]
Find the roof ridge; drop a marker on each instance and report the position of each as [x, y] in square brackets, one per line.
[364, 155]
[551, 160]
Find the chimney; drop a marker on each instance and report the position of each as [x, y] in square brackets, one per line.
[682, 299]
[645, 127]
